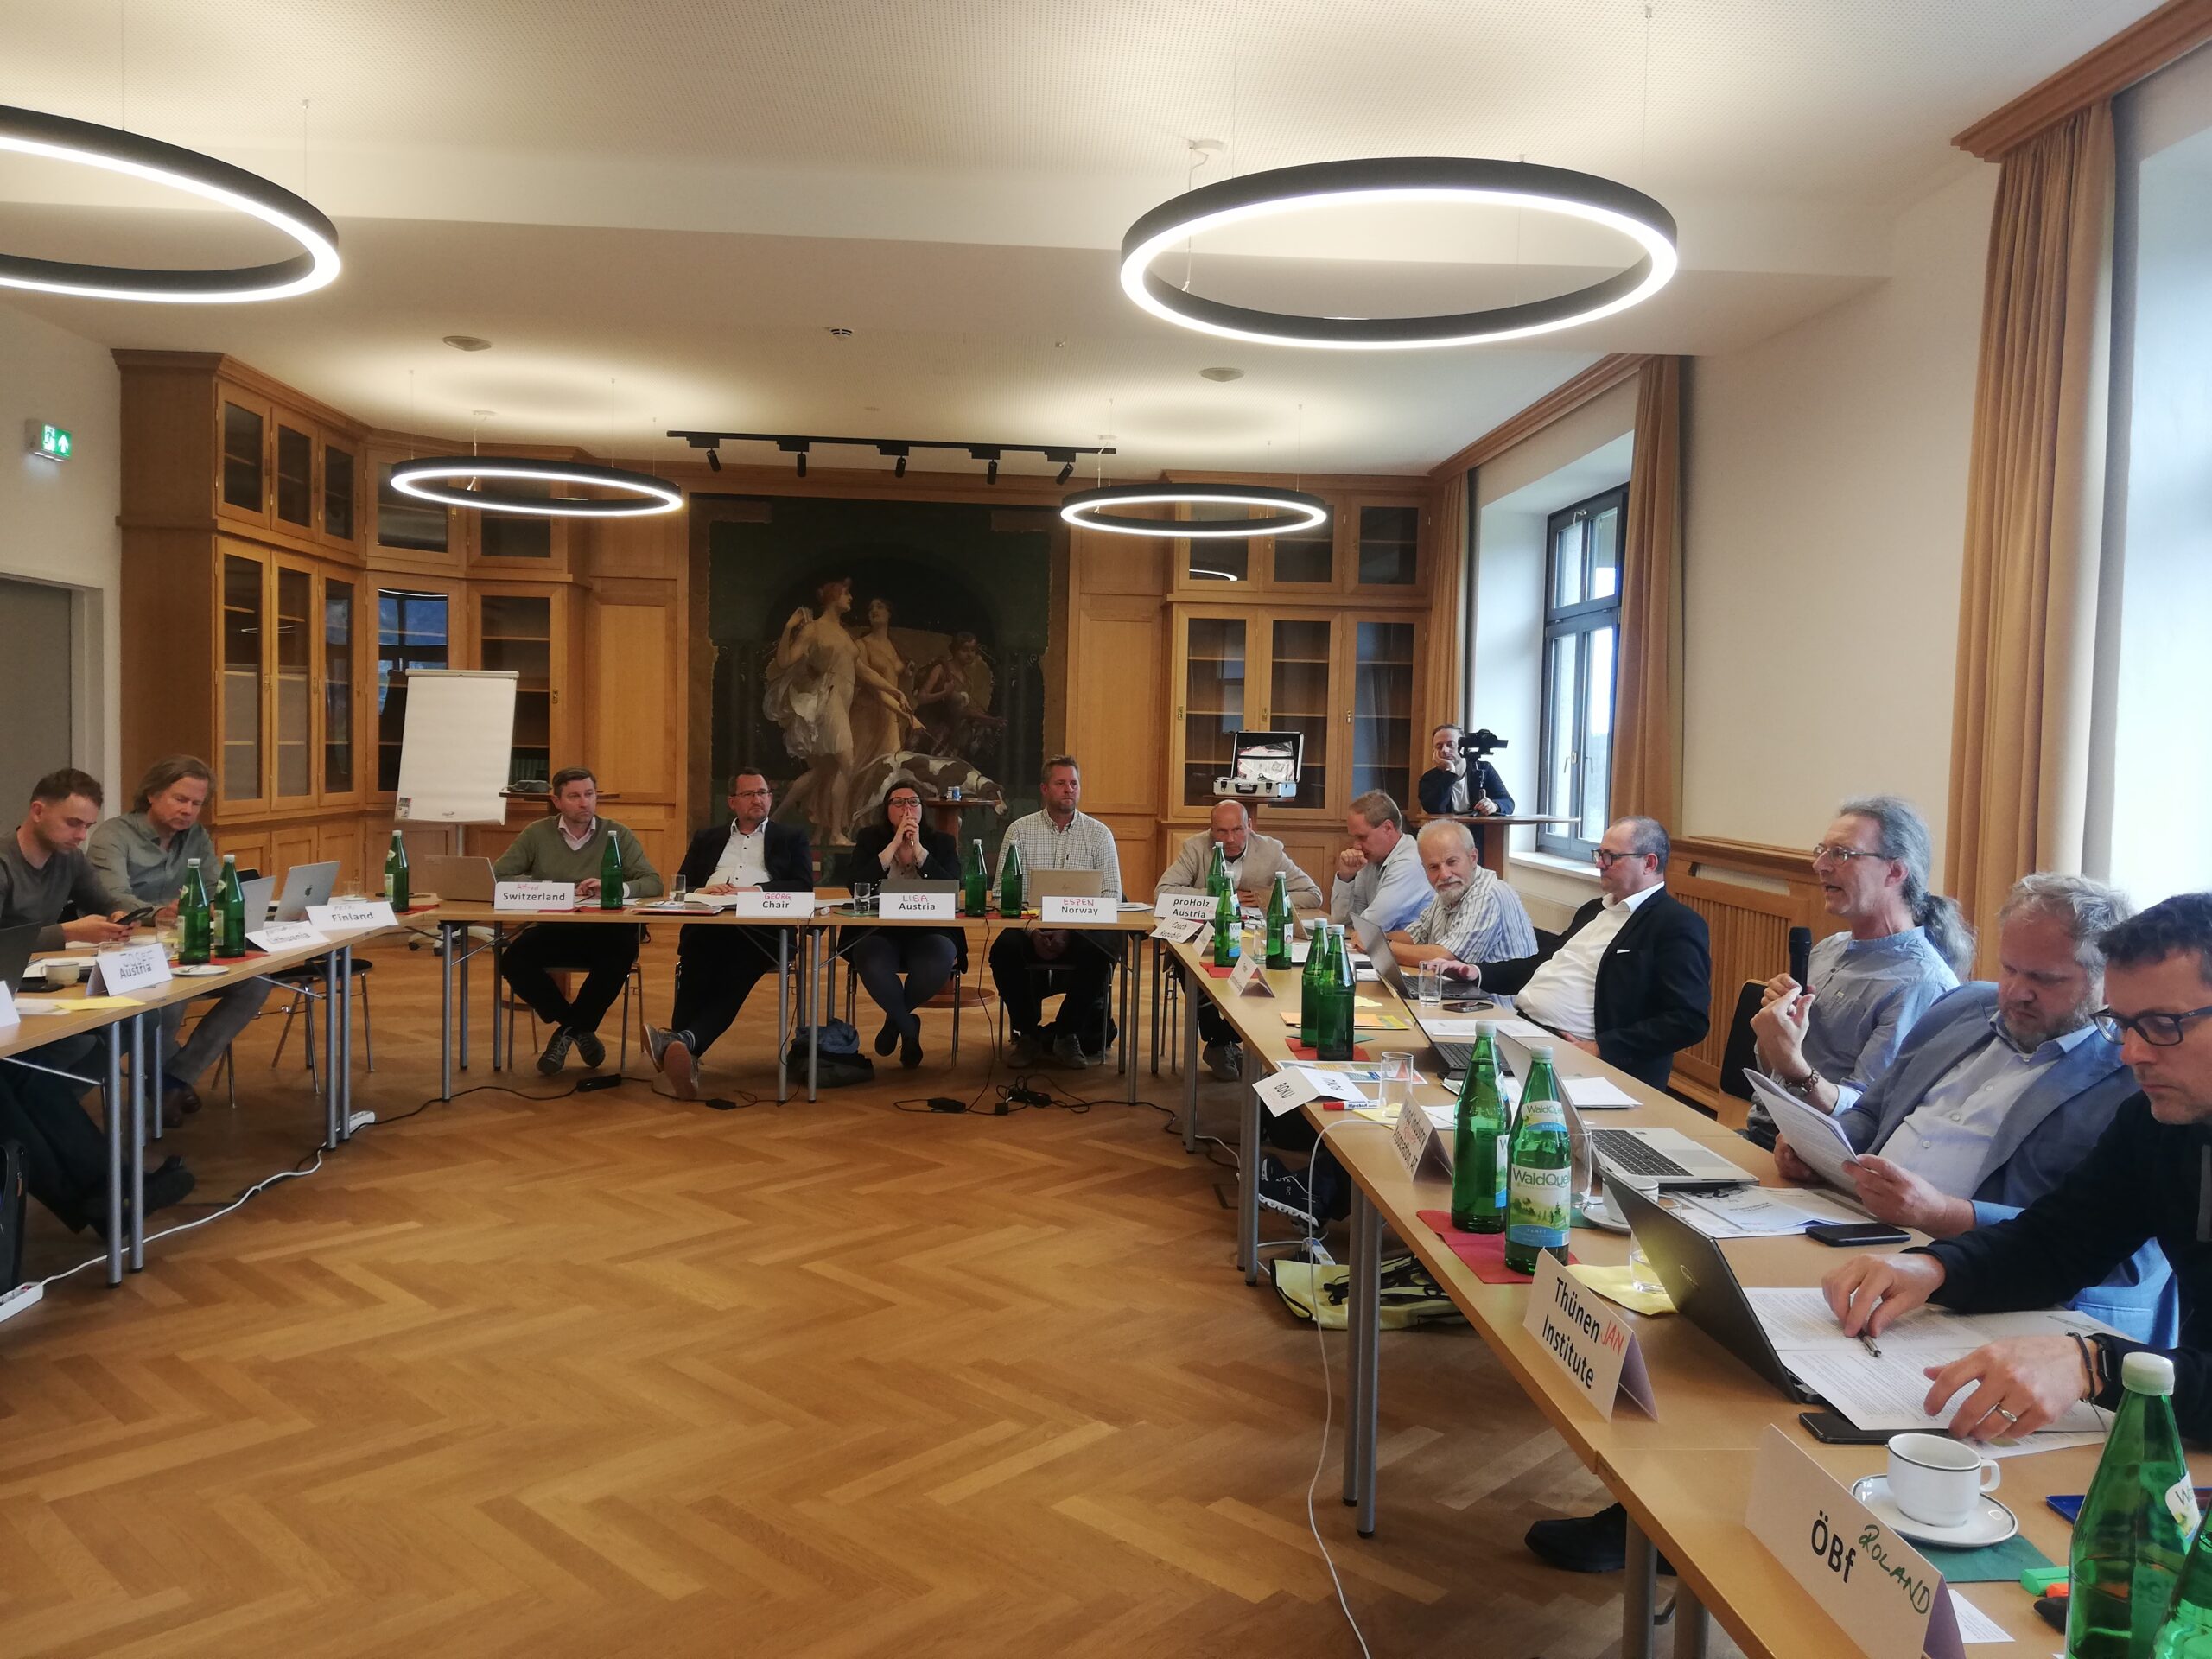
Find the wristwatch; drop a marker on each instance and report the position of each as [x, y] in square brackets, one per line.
[1804, 1086]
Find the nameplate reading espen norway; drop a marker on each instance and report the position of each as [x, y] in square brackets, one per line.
[1067, 908]
[533, 895]
[772, 904]
[123, 973]
[1882, 1591]
[1586, 1340]
[926, 906]
[353, 913]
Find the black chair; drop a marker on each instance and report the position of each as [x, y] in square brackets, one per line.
[1741, 1052]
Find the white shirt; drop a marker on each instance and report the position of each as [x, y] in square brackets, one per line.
[1946, 1140]
[1563, 993]
[743, 862]
[576, 843]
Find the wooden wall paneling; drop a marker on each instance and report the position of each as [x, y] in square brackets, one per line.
[168, 459]
[632, 725]
[294, 843]
[1119, 564]
[1136, 840]
[658, 828]
[650, 549]
[342, 839]
[1750, 916]
[248, 847]
[1117, 682]
[170, 670]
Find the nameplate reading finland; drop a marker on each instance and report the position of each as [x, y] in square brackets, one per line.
[286, 936]
[1072, 909]
[1249, 975]
[136, 968]
[772, 904]
[354, 913]
[1586, 1340]
[1882, 1591]
[1185, 907]
[928, 906]
[533, 895]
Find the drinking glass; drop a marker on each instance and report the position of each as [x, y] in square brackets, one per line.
[1578, 1146]
[1640, 1275]
[1428, 985]
[864, 898]
[679, 889]
[1394, 1080]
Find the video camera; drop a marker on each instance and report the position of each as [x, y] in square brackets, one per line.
[1480, 745]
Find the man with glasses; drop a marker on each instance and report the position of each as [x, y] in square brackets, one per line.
[1631, 980]
[2149, 1178]
[718, 964]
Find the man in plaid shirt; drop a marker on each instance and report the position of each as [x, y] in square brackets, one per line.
[1057, 838]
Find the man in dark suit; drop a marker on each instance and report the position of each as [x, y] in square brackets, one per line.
[1455, 785]
[1631, 980]
[717, 965]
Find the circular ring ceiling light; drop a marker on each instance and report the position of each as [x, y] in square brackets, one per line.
[1400, 179]
[1288, 510]
[439, 479]
[56, 137]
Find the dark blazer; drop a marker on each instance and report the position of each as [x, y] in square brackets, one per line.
[1435, 788]
[1655, 986]
[790, 865]
[940, 862]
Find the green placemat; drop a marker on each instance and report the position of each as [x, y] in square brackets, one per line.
[1987, 1565]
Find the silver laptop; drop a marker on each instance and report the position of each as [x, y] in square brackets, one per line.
[461, 880]
[305, 885]
[1063, 884]
[1663, 1157]
[255, 897]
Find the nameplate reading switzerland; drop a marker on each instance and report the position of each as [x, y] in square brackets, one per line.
[533, 895]
[1069, 908]
[1869, 1580]
[1586, 1340]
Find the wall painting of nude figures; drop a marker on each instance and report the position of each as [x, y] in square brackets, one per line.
[861, 644]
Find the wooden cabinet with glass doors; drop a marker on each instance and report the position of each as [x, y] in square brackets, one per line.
[285, 696]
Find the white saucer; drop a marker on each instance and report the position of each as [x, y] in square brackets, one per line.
[203, 970]
[1598, 1213]
[1991, 1523]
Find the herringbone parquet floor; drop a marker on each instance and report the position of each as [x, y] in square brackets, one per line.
[613, 1373]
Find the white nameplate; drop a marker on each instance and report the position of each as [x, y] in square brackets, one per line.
[1186, 906]
[533, 895]
[772, 904]
[1418, 1144]
[286, 936]
[8, 1015]
[928, 906]
[1249, 975]
[1069, 908]
[1589, 1342]
[134, 968]
[353, 913]
[1173, 932]
[1877, 1586]
[1288, 1089]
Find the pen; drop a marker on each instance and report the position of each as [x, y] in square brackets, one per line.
[1871, 1348]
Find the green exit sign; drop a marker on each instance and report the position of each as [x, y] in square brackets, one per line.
[48, 440]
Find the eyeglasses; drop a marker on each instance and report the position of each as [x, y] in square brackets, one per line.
[1605, 857]
[2159, 1029]
[899, 803]
[1838, 855]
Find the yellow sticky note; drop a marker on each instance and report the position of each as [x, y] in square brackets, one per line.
[1613, 1284]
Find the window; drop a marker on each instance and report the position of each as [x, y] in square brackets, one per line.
[1582, 632]
[411, 633]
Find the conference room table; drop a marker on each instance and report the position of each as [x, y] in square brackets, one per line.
[133, 1028]
[814, 933]
[1683, 1477]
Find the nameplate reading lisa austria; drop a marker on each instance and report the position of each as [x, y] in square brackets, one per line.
[931, 907]
[1586, 1340]
[1882, 1591]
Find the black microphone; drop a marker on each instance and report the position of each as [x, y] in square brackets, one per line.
[1801, 957]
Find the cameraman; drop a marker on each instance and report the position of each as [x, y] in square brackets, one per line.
[1456, 786]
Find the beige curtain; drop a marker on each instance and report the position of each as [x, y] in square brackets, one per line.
[2035, 495]
[1647, 721]
[1448, 651]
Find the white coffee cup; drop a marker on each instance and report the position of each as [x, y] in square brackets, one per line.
[1935, 1479]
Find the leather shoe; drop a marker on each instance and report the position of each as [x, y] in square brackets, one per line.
[179, 1098]
[887, 1039]
[1586, 1543]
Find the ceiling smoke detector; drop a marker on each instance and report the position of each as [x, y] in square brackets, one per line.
[1221, 374]
[469, 342]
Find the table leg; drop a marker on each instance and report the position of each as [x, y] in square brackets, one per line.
[1191, 994]
[341, 1056]
[1637, 1595]
[117, 1112]
[783, 1015]
[331, 1122]
[139, 1084]
[810, 1002]
[1693, 1624]
[1155, 1011]
[154, 1107]
[500, 999]
[1132, 956]
[1355, 1339]
[448, 938]
[1247, 1173]
[1366, 1293]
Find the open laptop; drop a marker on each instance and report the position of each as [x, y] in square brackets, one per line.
[254, 898]
[305, 885]
[1701, 1284]
[17, 944]
[1064, 884]
[1663, 1157]
[457, 880]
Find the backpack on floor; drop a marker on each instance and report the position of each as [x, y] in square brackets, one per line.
[839, 1063]
[1315, 1293]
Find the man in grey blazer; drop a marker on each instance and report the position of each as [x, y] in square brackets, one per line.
[1254, 862]
[1999, 1090]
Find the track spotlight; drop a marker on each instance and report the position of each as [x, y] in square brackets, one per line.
[714, 460]
[1067, 472]
[991, 472]
[899, 471]
[802, 463]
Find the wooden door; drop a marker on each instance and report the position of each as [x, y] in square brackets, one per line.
[295, 631]
[292, 481]
[338, 665]
[1297, 672]
[1381, 539]
[1213, 654]
[242, 442]
[242, 602]
[338, 518]
[1379, 668]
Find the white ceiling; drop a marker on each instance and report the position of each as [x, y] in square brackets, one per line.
[682, 197]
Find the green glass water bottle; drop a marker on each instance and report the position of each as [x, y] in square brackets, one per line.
[975, 881]
[1227, 921]
[194, 920]
[1336, 1042]
[2131, 1536]
[1012, 884]
[1280, 923]
[395, 873]
[230, 937]
[1217, 872]
[1310, 992]
[610, 874]
[2187, 1633]
[1540, 1176]
[1480, 1143]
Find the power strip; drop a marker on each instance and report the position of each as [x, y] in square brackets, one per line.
[359, 1121]
[20, 1298]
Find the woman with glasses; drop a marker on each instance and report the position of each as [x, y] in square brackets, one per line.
[896, 847]
[1901, 948]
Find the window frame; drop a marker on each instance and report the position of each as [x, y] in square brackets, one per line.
[1579, 621]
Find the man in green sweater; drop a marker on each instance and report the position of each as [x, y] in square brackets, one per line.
[570, 847]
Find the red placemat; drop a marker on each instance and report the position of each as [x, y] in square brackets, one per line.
[1303, 1052]
[1213, 972]
[1483, 1252]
